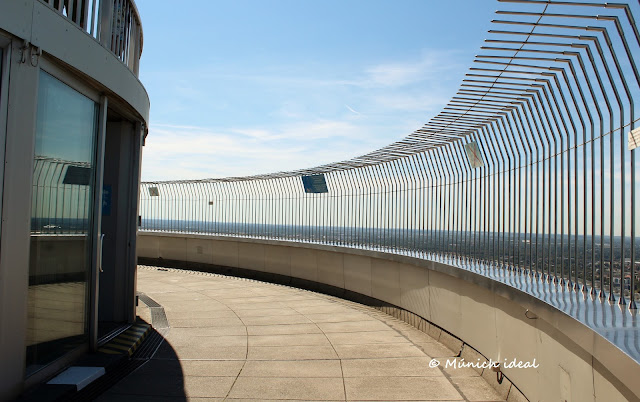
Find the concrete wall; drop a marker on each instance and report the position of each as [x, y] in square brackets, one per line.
[575, 363]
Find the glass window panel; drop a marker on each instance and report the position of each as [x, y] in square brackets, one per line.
[1, 57]
[2, 110]
[61, 221]
[64, 117]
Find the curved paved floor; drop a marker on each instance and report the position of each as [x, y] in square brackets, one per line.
[235, 339]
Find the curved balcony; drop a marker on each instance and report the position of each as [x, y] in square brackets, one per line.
[100, 39]
[114, 23]
[508, 220]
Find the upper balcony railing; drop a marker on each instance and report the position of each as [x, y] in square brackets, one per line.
[531, 168]
[114, 23]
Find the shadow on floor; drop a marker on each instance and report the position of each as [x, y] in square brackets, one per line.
[152, 379]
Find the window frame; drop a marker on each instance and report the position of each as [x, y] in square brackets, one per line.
[75, 81]
[69, 79]
[5, 59]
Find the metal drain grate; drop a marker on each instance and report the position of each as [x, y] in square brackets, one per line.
[147, 300]
[158, 317]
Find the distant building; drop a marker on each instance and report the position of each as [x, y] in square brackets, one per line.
[73, 116]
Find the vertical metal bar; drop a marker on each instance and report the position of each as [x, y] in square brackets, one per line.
[97, 223]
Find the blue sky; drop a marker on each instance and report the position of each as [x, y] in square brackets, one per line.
[243, 87]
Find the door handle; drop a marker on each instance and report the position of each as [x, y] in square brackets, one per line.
[100, 252]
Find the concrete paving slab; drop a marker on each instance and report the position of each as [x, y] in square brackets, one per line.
[238, 340]
[266, 312]
[231, 300]
[323, 389]
[311, 302]
[417, 336]
[180, 296]
[199, 314]
[362, 338]
[330, 308]
[211, 368]
[210, 331]
[198, 352]
[276, 320]
[112, 397]
[291, 353]
[205, 322]
[435, 349]
[356, 326]
[178, 340]
[208, 387]
[263, 400]
[416, 400]
[194, 305]
[476, 389]
[337, 317]
[283, 329]
[378, 350]
[390, 367]
[256, 306]
[401, 389]
[289, 340]
[295, 368]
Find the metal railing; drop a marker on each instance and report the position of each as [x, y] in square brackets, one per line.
[114, 23]
[531, 167]
[60, 198]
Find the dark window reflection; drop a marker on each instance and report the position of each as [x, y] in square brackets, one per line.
[61, 220]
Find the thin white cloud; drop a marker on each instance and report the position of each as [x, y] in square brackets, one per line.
[399, 74]
[178, 152]
[431, 102]
[301, 120]
[429, 65]
[351, 110]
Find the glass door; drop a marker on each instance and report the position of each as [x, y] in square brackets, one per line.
[62, 222]
[4, 94]
[2, 128]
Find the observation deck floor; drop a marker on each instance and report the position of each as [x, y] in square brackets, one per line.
[236, 339]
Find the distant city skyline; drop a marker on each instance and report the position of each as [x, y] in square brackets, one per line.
[246, 87]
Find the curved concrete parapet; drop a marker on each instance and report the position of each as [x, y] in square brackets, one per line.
[584, 350]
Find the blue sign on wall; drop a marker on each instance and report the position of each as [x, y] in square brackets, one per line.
[106, 200]
[314, 184]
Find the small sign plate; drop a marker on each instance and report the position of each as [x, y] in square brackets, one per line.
[474, 155]
[634, 139]
[77, 175]
[315, 184]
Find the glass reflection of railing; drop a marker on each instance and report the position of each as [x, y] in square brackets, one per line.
[114, 23]
[60, 195]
